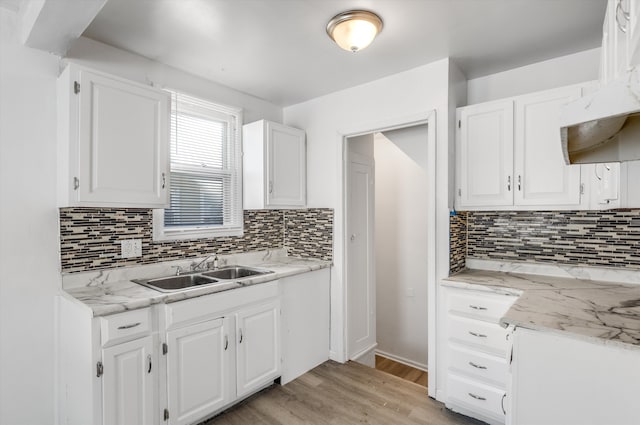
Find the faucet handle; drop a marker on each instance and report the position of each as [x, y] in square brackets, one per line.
[178, 270]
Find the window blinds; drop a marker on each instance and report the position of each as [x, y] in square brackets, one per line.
[205, 152]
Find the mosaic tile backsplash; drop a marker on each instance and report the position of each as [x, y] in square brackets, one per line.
[457, 241]
[591, 238]
[90, 237]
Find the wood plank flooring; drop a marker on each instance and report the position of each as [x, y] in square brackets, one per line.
[401, 370]
[342, 394]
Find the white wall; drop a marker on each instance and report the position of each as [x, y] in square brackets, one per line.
[562, 71]
[401, 244]
[29, 276]
[402, 97]
[109, 59]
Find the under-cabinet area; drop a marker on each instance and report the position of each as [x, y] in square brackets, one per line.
[182, 357]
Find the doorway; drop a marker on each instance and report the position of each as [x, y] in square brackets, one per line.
[386, 245]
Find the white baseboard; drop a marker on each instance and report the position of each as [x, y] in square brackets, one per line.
[402, 360]
[336, 357]
[361, 353]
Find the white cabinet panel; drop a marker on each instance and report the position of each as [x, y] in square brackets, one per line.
[485, 154]
[305, 322]
[114, 141]
[274, 166]
[258, 347]
[128, 383]
[486, 400]
[488, 336]
[554, 381]
[541, 177]
[198, 370]
[478, 365]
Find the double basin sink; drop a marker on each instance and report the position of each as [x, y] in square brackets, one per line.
[199, 279]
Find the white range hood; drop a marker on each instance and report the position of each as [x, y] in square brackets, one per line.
[605, 125]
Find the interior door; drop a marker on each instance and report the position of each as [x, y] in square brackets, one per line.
[361, 301]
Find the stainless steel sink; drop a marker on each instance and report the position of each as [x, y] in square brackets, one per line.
[235, 272]
[177, 283]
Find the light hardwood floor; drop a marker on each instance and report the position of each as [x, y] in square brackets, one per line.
[401, 370]
[342, 394]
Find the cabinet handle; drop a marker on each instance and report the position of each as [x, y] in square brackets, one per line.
[519, 183]
[509, 183]
[226, 342]
[241, 336]
[99, 369]
[149, 363]
[625, 15]
[76, 183]
[477, 397]
[475, 307]
[502, 403]
[132, 325]
[477, 366]
[477, 334]
[164, 180]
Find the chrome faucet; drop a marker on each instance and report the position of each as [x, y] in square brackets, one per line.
[198, 267]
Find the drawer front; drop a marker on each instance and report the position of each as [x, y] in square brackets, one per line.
[123, 327]
[482, 306]
[206, 307]
[476, 396]
[490, 336]
[494, 370]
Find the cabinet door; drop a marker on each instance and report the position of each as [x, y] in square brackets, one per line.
[258, 353]
[485, 155]
[198, 379]
[122, 143]
[128, 387]
[541, 177]
[286, 166]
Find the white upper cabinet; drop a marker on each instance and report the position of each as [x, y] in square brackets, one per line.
[485, 155]
[541, 176]
[274, 166]
[113, 141]
[508, 155]
[620, 39]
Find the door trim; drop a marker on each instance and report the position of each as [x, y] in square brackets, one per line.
[339, 351]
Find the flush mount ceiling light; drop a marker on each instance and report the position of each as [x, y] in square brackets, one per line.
[355, 29]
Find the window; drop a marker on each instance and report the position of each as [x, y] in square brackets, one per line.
[205, 185]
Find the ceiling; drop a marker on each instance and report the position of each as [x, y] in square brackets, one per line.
[278, 50]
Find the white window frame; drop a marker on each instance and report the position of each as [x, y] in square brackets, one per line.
[162, 233]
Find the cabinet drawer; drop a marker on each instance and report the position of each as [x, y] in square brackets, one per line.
[475, 396]
[125, 326]
[479, 365]
[486, 307]
[489, 336]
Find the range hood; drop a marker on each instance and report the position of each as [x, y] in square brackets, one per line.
[605, 125]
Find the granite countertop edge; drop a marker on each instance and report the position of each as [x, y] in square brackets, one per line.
[600, 312]
[125, 295]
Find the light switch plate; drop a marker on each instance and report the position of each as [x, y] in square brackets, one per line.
[131, 248]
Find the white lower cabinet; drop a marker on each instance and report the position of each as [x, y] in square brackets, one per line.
[258, 354]
[563, 380]
[198, 381]
[477, 352]
[128, 384]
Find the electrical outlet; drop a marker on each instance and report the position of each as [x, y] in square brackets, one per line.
[131, 248]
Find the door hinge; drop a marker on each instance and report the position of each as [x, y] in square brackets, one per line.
[166, 414]
[76, 87]
[76, 183]
[99, 369]
[459, 192]
[165, 348]
[459, 123]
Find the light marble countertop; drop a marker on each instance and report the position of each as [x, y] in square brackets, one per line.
[604, 312]
[112, 291]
